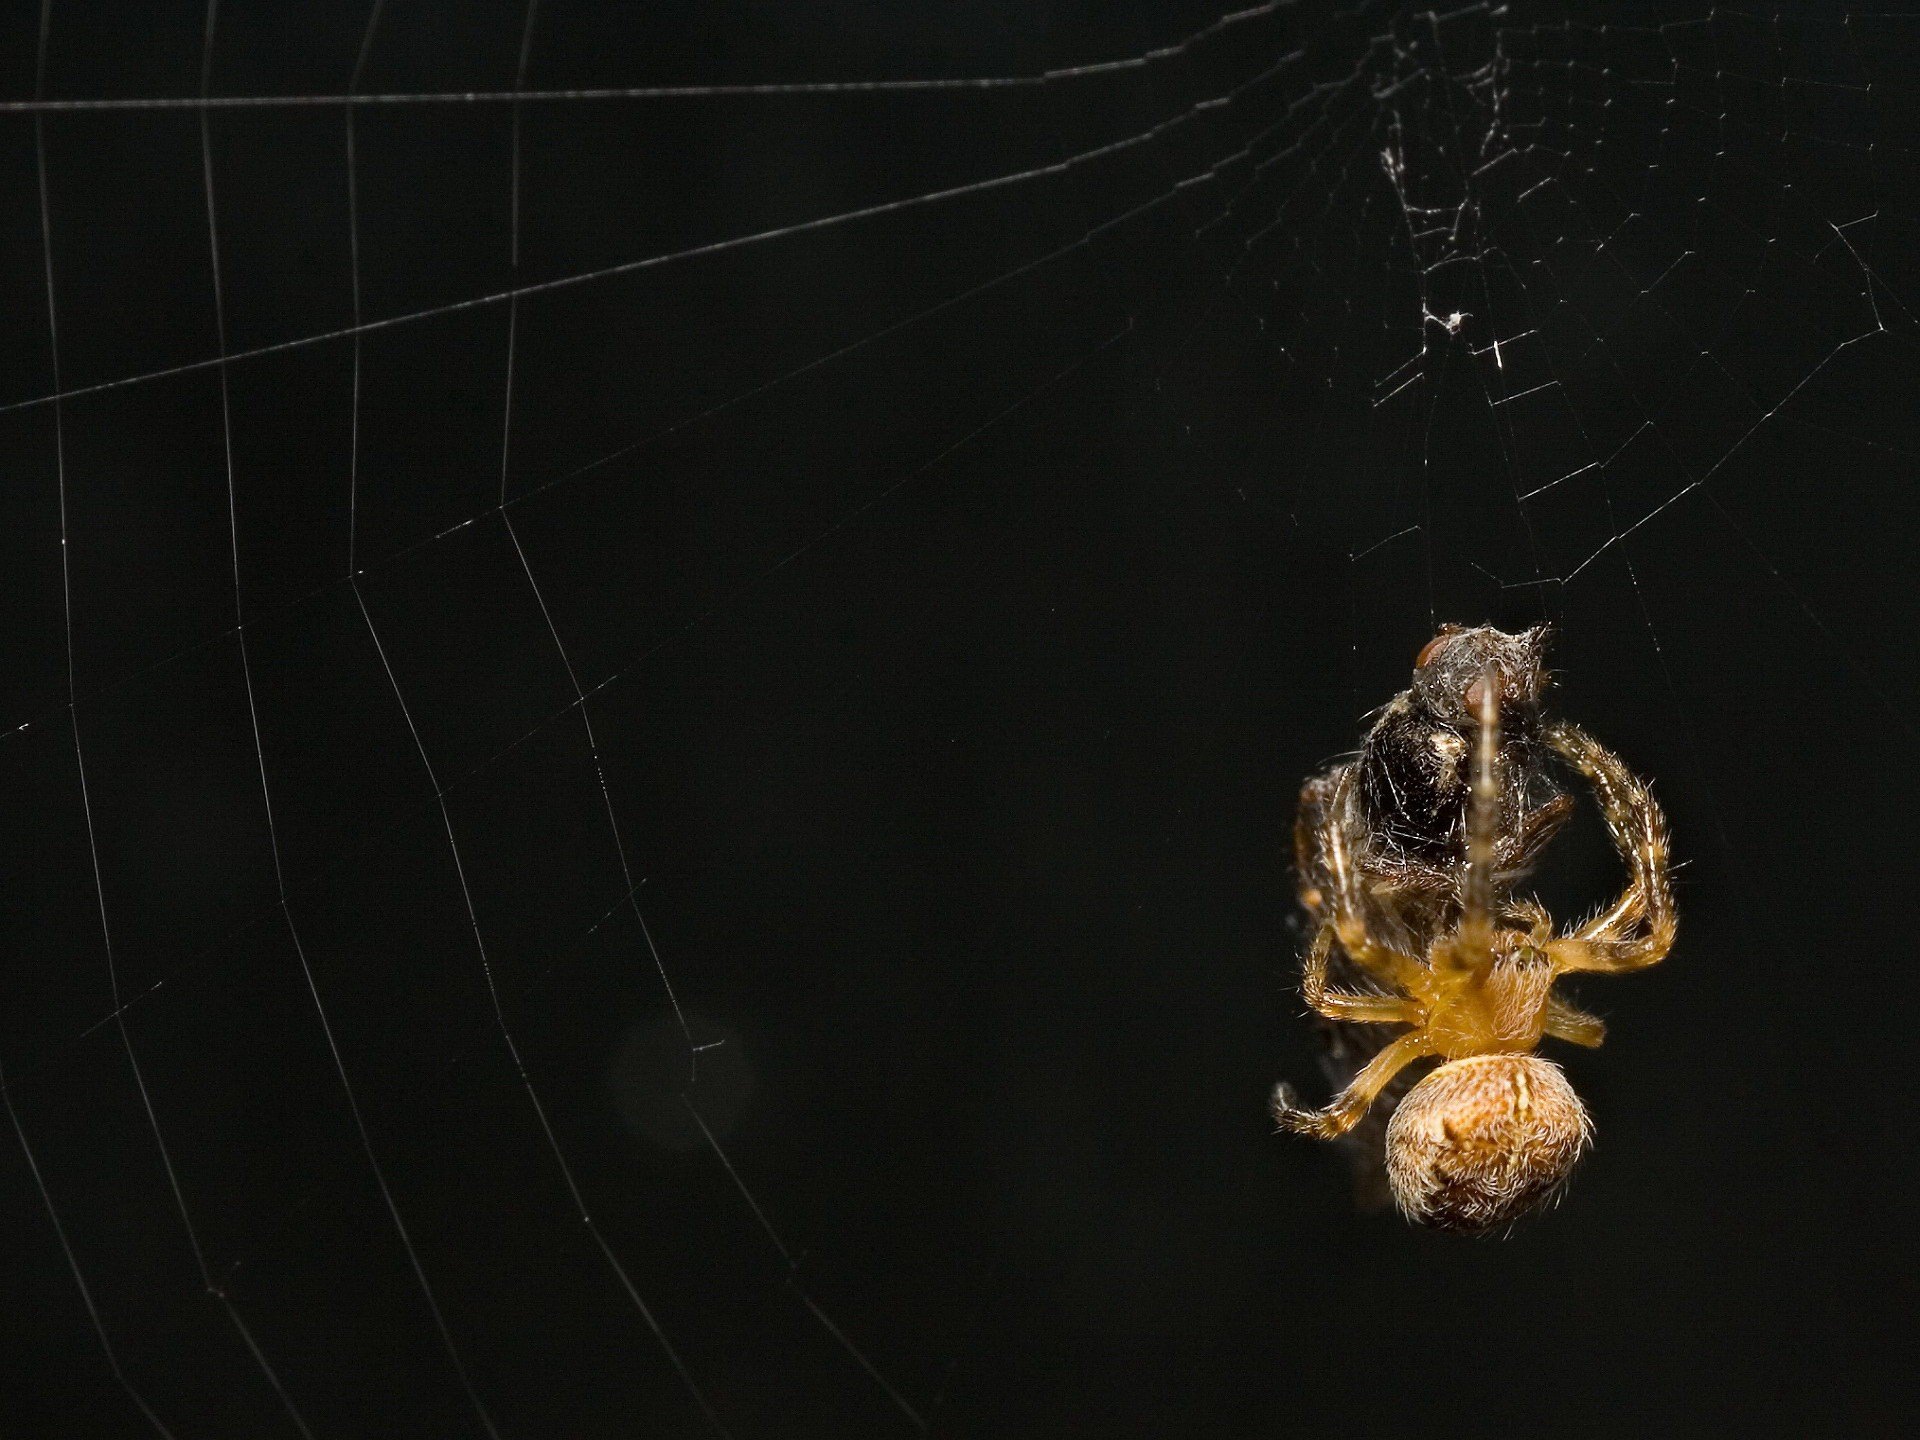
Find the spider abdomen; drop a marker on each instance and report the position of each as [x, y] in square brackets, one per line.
[1481, 1141]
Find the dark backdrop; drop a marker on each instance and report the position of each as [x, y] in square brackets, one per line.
[954, 599]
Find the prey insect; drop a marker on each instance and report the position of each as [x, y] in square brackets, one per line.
[1409, 857]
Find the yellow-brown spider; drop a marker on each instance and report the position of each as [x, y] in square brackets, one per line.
[1494, 1129]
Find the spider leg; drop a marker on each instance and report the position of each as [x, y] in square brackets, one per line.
[1345, 1005]
[1617, 920]
[1639, 830]
[1532, 916]
[1473, 947]
[1351, 1104]
[1568, 1022]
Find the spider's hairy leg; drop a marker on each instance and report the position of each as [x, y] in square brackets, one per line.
[1568, 1022]
[1345, 1005]
[1531, 916]
[1351, 1104]
[1475, 936]
[1639, 830]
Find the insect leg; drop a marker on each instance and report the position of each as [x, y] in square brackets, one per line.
[1348, 907]
[1537, 829]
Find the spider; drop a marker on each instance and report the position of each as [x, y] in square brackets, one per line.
[1424, 917]
[1405, 815]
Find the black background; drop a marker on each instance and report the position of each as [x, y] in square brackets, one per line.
[951, 695]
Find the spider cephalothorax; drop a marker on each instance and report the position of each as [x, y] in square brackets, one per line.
[1430, 937]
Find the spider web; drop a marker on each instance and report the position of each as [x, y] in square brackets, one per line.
[659, 663]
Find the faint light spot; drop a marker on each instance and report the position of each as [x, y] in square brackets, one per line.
[647, 1080]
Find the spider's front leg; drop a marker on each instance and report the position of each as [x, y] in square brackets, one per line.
[1473, 939]
[1639, 830]
[1352, 1103]
[1344, 1004]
